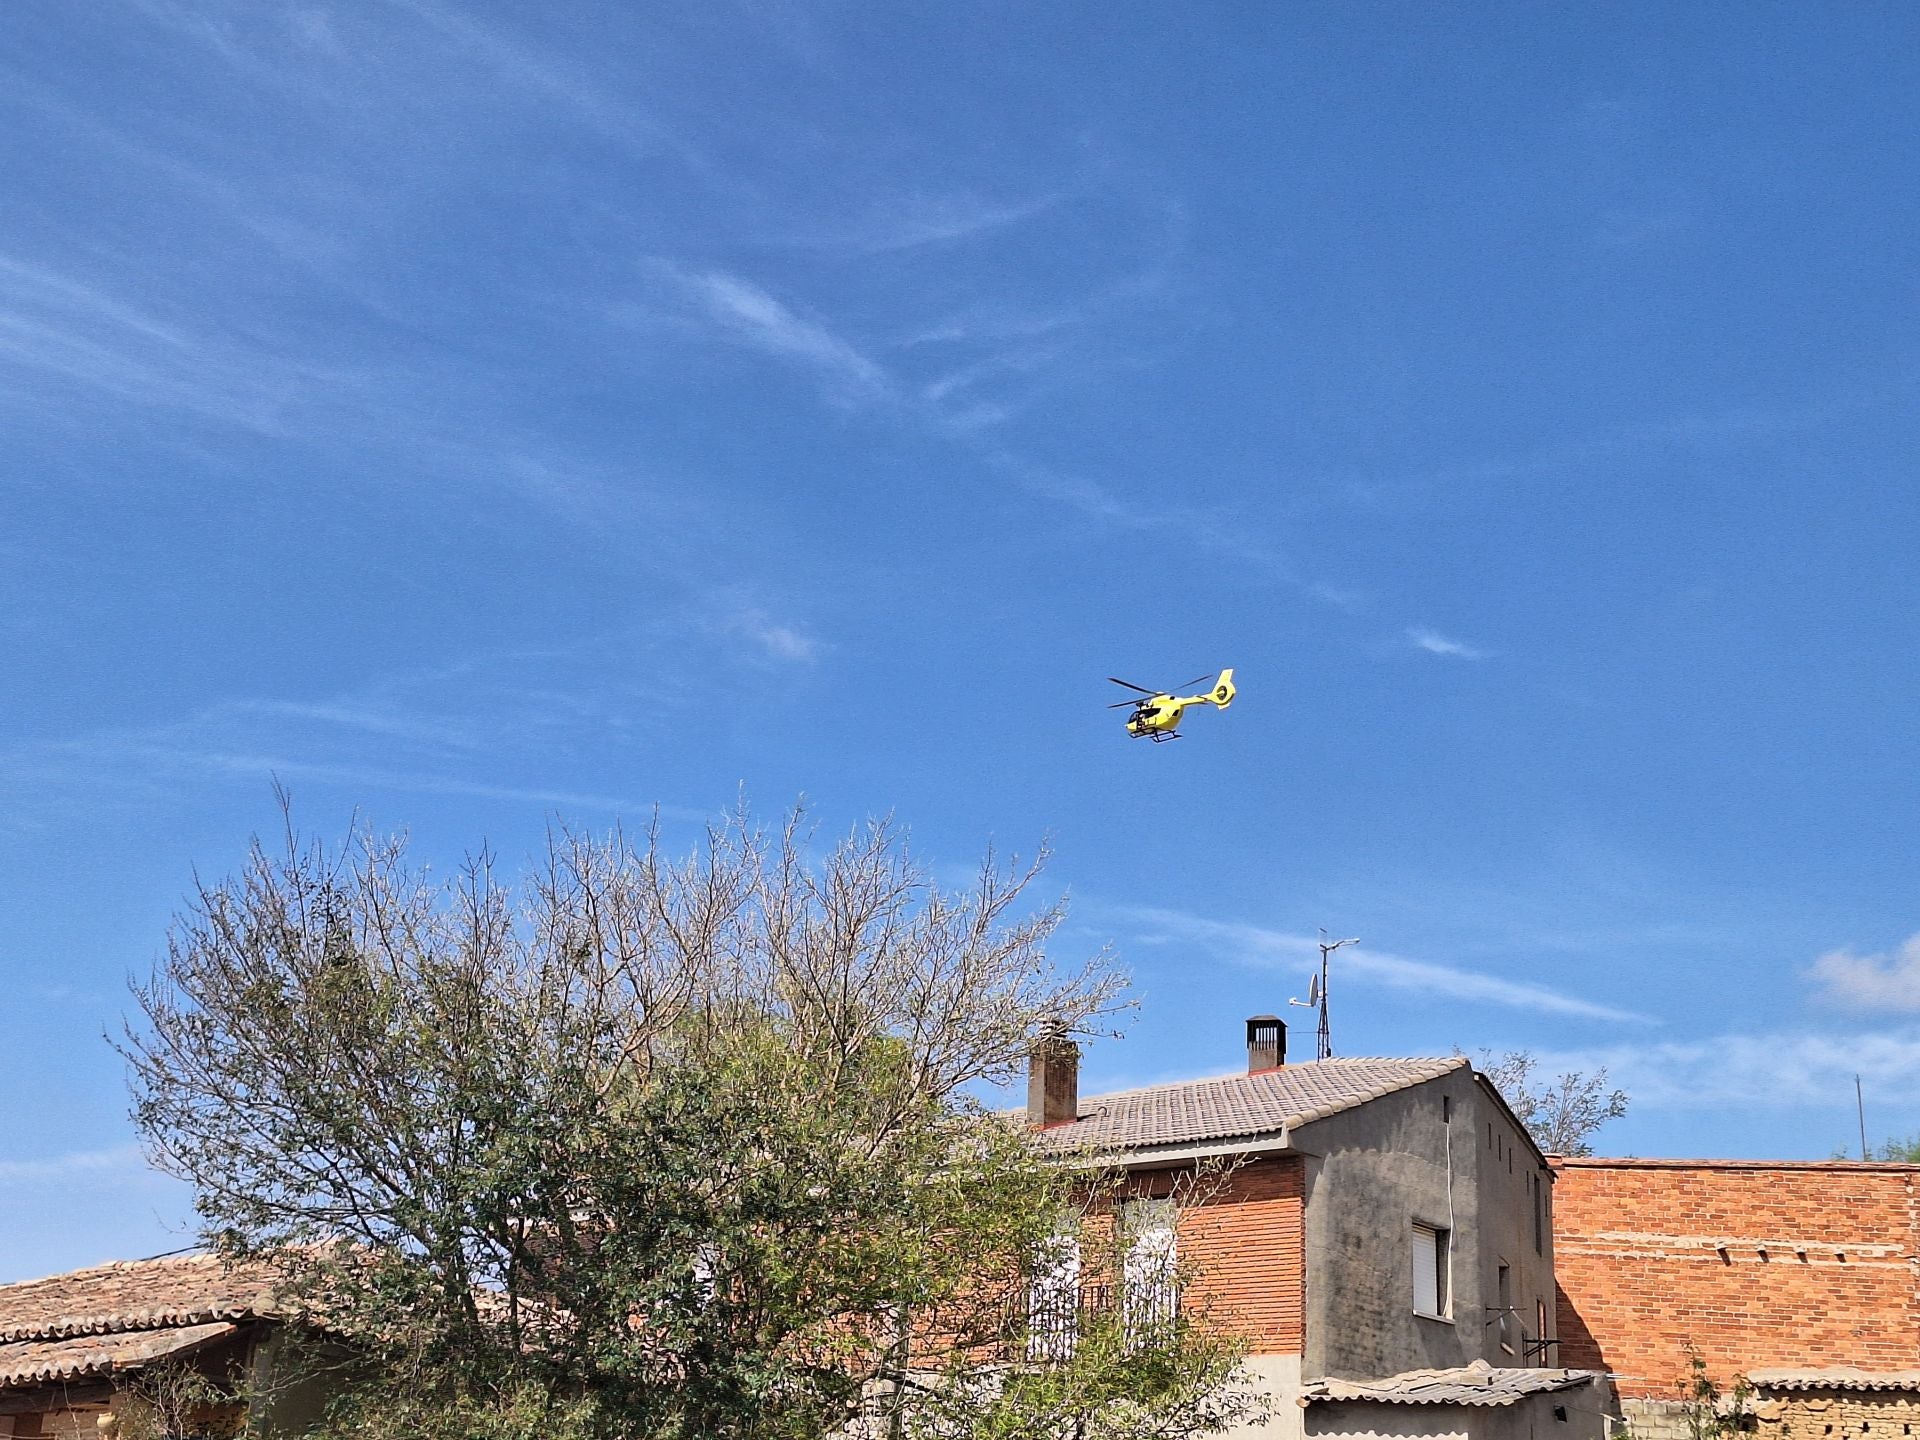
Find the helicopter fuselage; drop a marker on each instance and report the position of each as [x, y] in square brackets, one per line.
[1157, 718]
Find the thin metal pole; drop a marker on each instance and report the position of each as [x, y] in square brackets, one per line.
[1325, 1046]
[1327, 947]
[1860, 1104]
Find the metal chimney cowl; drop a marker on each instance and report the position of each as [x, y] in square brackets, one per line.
[1053, 1080]
[1266, 1043]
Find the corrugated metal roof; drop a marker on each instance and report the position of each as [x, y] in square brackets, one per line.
[47, 1362]
[1475, 1384]
[1837, 1377]
[1235, 1107]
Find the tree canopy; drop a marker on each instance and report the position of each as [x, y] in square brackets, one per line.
[1561, 1114]
[650, 1146]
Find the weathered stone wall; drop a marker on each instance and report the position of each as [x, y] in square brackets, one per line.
[1753, 1264]
[1831, 1415]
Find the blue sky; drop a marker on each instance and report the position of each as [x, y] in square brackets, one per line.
[475, 413]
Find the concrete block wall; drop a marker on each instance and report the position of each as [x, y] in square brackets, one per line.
[1753, 1264]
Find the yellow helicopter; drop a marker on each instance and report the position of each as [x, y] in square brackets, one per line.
[1156, 715]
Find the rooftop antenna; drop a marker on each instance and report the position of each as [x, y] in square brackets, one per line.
[1317, 993]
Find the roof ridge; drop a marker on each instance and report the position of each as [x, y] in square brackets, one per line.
[152, 1261]
[1449, 1062]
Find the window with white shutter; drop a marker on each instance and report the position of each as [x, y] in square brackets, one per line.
[1150, 1292]
[1430, 1269]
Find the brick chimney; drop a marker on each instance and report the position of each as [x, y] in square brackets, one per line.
[1053, 1080]
[1266, 1043]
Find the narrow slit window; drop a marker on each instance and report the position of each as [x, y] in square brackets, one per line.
[1431, 1263]
[1503, 1288]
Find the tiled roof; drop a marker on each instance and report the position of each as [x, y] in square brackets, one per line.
[1237, 1106]
[133, 1295]
[1838, 1377]
[1475, 1384]
[48, 1362]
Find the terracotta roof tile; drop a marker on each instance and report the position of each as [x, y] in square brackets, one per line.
[48, 1362]
[1837, 1377]
[1236, 1107]
[133, 1295]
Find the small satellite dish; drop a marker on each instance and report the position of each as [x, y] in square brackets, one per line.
[1313, 994]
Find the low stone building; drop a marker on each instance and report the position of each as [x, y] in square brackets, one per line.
[1836, 1402]
[79, 1351]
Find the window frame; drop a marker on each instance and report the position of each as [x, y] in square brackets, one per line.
[1440, 1241]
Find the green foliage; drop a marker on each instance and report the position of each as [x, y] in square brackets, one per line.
[1175, 1381]
[1710, 1413]
[641, 1147]
[1560, 1114]
[172, 1400]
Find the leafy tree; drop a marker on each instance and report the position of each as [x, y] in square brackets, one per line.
[645, 1146]
[1560, 1114]
[1902, 1151]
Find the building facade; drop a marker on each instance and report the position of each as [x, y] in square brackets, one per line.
[1382, 1241]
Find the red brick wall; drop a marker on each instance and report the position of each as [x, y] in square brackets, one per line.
[1247, 1244]
[1818, 1267]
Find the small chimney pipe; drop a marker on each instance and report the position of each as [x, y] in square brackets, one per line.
[1266, 1043]
[1053, 1080]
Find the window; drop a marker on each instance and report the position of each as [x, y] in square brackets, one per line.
[1432, 1263]
[1150, 1294]
[1539, 1215]
[1540, 1330]
[1053, 1300]
[1503, 1290]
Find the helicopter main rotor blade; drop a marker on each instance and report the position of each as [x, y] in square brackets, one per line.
[1195, 681]
[1122, 704]
[1131, 686]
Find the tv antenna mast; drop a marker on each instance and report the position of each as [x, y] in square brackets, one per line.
[1317, 993]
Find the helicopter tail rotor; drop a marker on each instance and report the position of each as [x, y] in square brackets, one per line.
[1223, 689]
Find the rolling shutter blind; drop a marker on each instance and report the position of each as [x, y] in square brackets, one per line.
[1427, 1257]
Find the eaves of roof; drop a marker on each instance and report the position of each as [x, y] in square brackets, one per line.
[49, 1362]
[1837, 1377]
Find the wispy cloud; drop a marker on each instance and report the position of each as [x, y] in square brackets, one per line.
[753, 317]
[770, 638]
[1434, 643]
[1769, 1070]
[122, 1163]
[1271, 949]
[551, 80]
[1883, 982]
[908, 222]
[65, 330]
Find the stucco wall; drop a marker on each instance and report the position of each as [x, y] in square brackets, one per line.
[1374, 1172]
